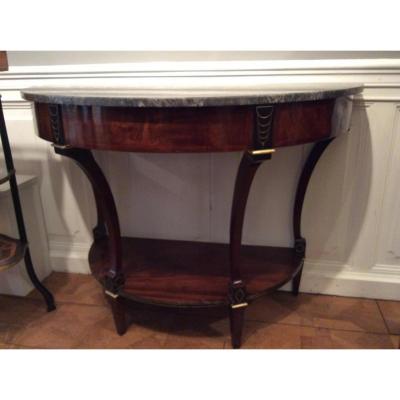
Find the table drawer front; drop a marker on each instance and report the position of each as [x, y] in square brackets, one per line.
[305, 122]
[152, 129]
[201, 129]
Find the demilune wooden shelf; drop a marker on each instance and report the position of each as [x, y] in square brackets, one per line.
[182, 273]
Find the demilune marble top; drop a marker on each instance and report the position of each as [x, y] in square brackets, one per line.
[134, 97]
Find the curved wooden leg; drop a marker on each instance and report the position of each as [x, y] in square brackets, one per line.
[106, 210]
[299, 241]
[107, 226]
[236, 319]
[237, 290]
[119, 314]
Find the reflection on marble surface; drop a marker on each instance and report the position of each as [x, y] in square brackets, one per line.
[341, 116]
[131, 97]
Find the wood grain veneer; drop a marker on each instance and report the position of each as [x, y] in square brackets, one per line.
[197, 129]
[179, 273]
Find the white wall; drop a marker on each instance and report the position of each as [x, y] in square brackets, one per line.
[26, 58]
[352, 209]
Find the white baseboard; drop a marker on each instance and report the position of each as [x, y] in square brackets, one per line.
[340, 280]
[69, 257]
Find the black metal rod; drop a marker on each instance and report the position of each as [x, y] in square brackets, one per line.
[19, 215]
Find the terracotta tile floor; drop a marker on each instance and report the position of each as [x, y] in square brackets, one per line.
[281, 321]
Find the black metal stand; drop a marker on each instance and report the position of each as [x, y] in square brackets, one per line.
[48, 297]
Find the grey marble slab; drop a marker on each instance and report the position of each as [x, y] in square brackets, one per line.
[131, 97]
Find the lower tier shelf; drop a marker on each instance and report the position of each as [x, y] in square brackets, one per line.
[12, 251]
[193, 274]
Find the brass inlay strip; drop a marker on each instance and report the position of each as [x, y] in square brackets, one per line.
[239, 305]
[263, 151]
[111, 294]
[61, 146]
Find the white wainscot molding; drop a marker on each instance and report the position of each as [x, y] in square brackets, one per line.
[351, 216]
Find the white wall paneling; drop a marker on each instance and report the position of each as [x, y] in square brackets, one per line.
[352, 211]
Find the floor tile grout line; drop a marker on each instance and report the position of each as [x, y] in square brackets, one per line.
[74, 303]
[104, 306]
[383, 317]
[23, 345]
[34, 300]
[225, 346]
[320, 327]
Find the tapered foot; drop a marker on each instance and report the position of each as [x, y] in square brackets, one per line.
[119, 314]
[296, 282]
[236, 317]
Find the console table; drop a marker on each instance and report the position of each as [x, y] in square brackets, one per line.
[256, 123]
